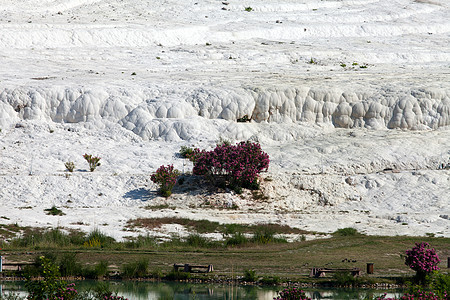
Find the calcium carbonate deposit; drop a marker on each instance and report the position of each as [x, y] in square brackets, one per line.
[351, 100]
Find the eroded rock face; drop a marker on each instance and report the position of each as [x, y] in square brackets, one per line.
[184, 113]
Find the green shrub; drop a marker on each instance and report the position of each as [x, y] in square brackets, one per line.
[229, 229]
[54, 211]
[346, 279]
[196, 240]
[103, 290]
[440, 283]
[98, 239]
[38, 239]
[263, 236]
[157, 273]
[141, 242]
[69, 265]
[249, 275]
[348, 231]
[266, 235]
[236, 239]
[98, 271]
[186, 152]
[77, 238]
[177, 275]
[136, 269]
[50, 287]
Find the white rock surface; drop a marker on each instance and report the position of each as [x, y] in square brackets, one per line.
[351, 99]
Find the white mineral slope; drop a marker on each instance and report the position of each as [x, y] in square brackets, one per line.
[351, 99]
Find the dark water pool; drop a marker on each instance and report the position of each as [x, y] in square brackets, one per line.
[189, 291]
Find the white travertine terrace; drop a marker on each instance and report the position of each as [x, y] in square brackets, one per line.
[351, 100]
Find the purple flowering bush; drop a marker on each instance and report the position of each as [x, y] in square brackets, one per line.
[238, 165]
[166, 178]
[422, 259]
[68, 293]
[291, 294]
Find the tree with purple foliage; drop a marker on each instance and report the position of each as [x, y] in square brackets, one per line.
[422, 259]
[238, 165]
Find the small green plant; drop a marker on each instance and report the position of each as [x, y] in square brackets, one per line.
[223, 142]
[70, 166]
[93, 161]
[166, 178]
[248, 9]
[133, 74]
[54, 211]
[157, 273]
[312, 61]
[354, 64]
[244, 119]
[348, 231]
[186, 152]
[249, 275]
[92, 243]
[343, 65]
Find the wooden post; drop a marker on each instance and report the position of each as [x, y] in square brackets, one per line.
[369, 268]
[187, 268]
[448, 262]
[210, 269]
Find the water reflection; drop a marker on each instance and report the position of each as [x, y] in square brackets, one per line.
[189, 291]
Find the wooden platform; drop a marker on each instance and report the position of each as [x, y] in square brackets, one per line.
[321, 272]
[194, 268]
